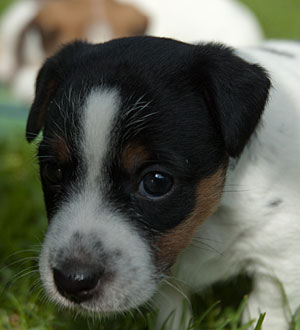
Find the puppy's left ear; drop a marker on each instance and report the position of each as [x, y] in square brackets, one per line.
[235, 90]
[46, 86]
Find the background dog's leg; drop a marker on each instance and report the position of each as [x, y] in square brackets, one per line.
[173, 305]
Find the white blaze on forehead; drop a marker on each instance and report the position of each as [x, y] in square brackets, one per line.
[99, 112]
[84, 213]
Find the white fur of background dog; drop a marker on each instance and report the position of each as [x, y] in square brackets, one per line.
[226, 21]
[12, 24]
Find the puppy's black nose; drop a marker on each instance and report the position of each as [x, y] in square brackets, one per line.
[76, 283]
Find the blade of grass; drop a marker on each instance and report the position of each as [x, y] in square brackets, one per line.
[260, 321]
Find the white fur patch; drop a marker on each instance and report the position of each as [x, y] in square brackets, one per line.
[100, 109]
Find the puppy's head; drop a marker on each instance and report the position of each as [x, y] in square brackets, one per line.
[137, 133]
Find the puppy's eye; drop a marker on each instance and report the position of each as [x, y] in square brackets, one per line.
[52, 174]
[155, 184]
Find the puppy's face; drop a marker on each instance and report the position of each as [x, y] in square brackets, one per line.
[136, 138]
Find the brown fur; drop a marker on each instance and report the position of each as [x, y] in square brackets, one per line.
[169, 245]
[61, 149]
[133, 156]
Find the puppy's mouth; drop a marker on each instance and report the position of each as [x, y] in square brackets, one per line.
[98, 289]
[107, 268]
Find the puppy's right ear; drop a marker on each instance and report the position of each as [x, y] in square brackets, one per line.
[52, 74]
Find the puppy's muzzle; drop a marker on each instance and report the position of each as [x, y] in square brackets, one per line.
[78, 282]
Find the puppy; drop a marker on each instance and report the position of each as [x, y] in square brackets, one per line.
[151, 146]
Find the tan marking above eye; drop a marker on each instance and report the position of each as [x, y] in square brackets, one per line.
[62, 150]
[133, 156]
[170, 244]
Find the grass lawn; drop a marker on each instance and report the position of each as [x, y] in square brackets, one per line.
[23, 222]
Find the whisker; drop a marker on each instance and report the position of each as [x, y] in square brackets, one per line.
[207, 239]
[21, 261]
[21, 251]
[35, 285]
[28, 271]
[165, 280]
[206, 247]
[235, 191]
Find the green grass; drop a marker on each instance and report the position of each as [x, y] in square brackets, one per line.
[4, 4]
[279, 18]
[23, 222]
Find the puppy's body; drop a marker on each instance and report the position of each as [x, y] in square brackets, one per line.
[134, 159]
[256, 227]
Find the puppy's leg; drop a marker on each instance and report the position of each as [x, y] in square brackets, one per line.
[268, 297]
[173, 306]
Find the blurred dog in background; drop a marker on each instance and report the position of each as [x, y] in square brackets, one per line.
[32, 30]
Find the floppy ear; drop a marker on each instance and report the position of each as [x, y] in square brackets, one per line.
[46, 86]
[236, 93]
[52, 74]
